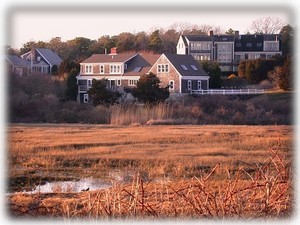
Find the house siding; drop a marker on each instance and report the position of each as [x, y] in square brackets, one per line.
[184, 85]
[166, 77]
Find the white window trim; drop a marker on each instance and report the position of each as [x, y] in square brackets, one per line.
[85, 98]
[189, 85]
[116, 70]
[89, 83]
[163, 68]
[101, 72]
[119, 82]
[132, 82]
[199, 85]
[88, 69]
[173, 84]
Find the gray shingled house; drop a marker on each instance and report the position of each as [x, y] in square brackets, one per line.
[42, 60]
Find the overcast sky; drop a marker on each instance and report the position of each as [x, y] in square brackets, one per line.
[43, 23]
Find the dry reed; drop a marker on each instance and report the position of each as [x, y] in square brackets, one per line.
[266, 194]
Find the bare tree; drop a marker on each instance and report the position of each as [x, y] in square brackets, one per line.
[267, 25]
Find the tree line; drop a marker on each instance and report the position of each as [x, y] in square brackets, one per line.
[159, 41]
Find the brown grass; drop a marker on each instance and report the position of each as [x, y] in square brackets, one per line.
[179, 171]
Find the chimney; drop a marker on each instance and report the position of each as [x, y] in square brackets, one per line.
[237, 34]
[113, 51]
[33, 53]
[211, 33]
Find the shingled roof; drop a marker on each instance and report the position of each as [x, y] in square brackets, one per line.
[17, 61]
[141, 64]
[51, 57]
[109, 58]
[186, 65]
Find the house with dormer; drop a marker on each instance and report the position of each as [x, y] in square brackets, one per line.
[42, 60]
[181, 73]
[121, 70]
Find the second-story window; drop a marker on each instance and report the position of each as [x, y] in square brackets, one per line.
[115, 69]
[162, 68]
[89, 69]
[102, 69]
[271, 46]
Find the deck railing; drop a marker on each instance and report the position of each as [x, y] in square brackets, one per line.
[228, 92]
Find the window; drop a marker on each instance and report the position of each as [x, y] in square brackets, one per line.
[194, 67]
[189, 85]
[199, 87]
[171, 85]
[249, 44]
[259, 44]
[271, 46]
[85, 98]
[132, 82]
[119, 82]
[238, 45]
[125, 66]
[162, 68]
[89, 69]
[102, 69]
[115, 69]
[184, 67]
[89, 83]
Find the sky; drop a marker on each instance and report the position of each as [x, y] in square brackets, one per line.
[32, 23]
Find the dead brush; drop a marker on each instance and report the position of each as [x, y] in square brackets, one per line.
[265, 192]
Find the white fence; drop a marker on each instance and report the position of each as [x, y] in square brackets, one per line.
[228, 92]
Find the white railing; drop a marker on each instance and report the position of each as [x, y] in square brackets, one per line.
[228, 92]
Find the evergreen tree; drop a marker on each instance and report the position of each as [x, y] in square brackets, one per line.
[155, 43]
[148, 90]
[101, 95]
[214, 71]
[287, 38]
[71, 89]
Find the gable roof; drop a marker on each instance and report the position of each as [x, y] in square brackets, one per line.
[17, 61]
[51, 57]
[105, 58]
[186, 65]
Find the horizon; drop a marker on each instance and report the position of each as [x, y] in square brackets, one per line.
[92, 22]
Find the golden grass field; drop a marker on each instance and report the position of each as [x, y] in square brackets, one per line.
[212, 171]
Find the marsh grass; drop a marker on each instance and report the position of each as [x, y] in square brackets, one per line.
[168, 171]
[268, 194]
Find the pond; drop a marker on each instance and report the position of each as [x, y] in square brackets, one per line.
[85, 184]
